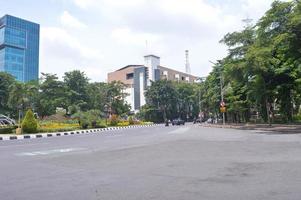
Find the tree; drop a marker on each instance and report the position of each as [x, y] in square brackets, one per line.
[52, 94]
[115, 98]
[6, 81]
[162, 95]
[77, 84]
[237, 72]
[18, 100]
[186, 100]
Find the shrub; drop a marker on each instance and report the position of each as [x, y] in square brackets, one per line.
[94, 124]
[131, 121]
[84, 123]
[114, 120]
[7, 129]
[49, 126]
[101, 124]
[29, 124]
[124, 123]
[51, 130]
[297, 118]
[147, 123]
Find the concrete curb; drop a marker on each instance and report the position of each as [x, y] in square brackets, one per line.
[76, 132]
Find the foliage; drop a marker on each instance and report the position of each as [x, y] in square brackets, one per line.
[74, 94]
[6, 80]
[59, 125]
[29, 123]
[168, 100]
[7, 129]
[53, 94]
[77, 83]
[131, 121]
[123, 123]
[114, 120]
[89, 118]
[261, 73]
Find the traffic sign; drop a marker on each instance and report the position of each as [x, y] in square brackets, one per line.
[223, 109]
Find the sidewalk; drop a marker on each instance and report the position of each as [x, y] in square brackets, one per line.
[279, 128]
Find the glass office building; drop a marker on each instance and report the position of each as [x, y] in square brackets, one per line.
[19, 48]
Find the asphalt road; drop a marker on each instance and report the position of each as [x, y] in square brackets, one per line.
[178, 163]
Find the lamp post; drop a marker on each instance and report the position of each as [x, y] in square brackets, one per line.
[222, 93]
[106, 112]
[221, 87]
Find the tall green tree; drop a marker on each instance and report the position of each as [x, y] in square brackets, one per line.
[163, 96]
[18, 100]
[77, 84]
[52, 94]
[6, 81]
[115, 96]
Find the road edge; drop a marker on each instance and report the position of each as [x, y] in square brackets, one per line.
[76, 132]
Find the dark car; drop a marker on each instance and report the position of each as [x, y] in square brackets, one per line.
[178, 122]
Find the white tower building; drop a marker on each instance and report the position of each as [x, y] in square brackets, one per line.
[151, 62]
[187, 65]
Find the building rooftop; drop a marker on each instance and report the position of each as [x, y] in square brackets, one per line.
[21, 19]
[129, 66]
[151, 55]
[177, 71]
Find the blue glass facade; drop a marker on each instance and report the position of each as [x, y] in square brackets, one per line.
[19, 48]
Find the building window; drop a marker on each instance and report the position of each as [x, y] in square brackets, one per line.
[129, 76]
[183, 78]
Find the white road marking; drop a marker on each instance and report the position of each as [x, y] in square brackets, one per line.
[260, 131]
[49, 152]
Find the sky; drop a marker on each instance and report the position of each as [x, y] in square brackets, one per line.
[101, 36]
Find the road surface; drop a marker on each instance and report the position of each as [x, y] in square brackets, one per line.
[177, 163]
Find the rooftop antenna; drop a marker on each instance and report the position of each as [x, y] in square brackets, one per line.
[187, 65]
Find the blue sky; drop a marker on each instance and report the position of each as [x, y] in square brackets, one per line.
[99, 36]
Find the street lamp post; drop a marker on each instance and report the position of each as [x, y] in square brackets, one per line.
[222, 95]
[221, 85]
[106, 113]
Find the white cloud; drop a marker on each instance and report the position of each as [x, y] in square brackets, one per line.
[84, 4]
[61, 36]
[61, 52]
[125, 35]
[197, 9]
[68, 20]
[256, 8]
[120, 28]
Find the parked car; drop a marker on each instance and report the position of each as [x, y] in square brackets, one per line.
[178, 122]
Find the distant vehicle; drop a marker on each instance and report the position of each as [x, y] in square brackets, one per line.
[210, 120]
[178, 122]
[198, 120]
